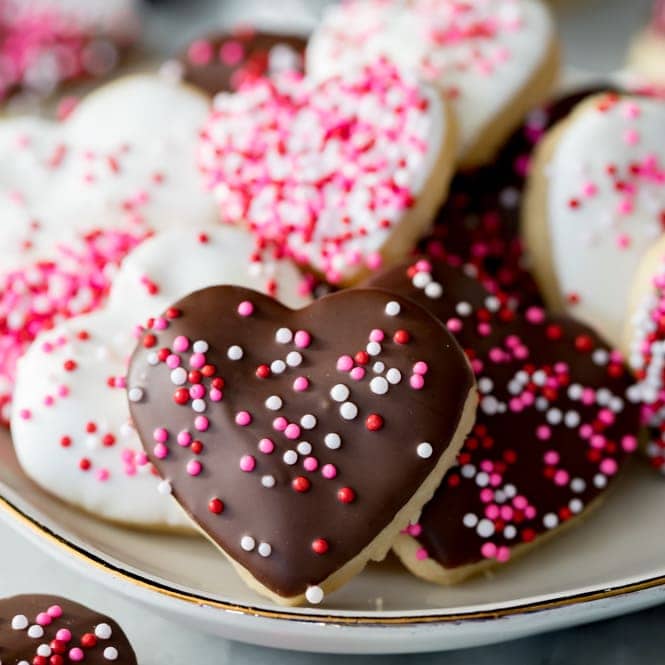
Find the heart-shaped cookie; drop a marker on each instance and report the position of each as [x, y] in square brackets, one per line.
[595, 203]
[300, 442]
[553, 427]
[341, 174]
[75, 200]
[494, 59]
[647, 54]
[47, 42]
[227, 61]
[479, 223]
[49, 630]
[71, 426]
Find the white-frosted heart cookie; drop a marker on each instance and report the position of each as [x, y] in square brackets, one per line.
[595, 203]
[494, 59]
[76, 196]
[71, 426]
[342, 175]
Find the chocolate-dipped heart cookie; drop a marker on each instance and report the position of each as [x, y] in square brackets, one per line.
[301, 442]
[226, 61]
[49, 630]
[553, 428]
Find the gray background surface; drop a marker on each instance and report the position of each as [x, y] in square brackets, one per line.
[596, 34]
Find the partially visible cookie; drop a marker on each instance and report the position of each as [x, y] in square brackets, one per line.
[50, 630]
[647, 54]
[554, 427]
[225, 61]
[71, 427]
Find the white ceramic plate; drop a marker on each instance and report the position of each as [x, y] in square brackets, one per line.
[613, 563]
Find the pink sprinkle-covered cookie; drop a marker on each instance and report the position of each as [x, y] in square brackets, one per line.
[341, 175]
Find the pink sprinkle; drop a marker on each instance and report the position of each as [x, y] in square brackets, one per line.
[103, 475]
[243, 418]
[280, 423]
[623, 241]
[302, 339]
[486, 495]
[292, 431]
[55, 611]
[535, 315]
[44, 619]
[374, 261]
[488, 550]
[543, 432]
[197, 360]
[551, 457]
[25, 414]
[300, 384]
[247, 463]
[161, 323]
[454, 325]
[63, 634]
[215, 395]
[76, 654]
[420, 368]
[561, 478]
[631, 136]
[181, 343]
[184, 438]
[197, 391]
[414, 530]
[172, 361]
[345, 363]
[231, 53]
[311, 464]
[245, 308]
[194, 467]
[266, 446]
[161, 434]
[520, 502]
[503, 554]
[200, 52]
[329, 471]
[377, 335]
[421, 554]
[201, 424]
[609, 466]
[160, 451]
[629, 443]
[358, 373]
[417, 382]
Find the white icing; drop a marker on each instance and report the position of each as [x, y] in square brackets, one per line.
[586, 241]
[178, 263]
[481, 74]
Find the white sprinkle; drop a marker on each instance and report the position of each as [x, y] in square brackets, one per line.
[468, 471]
[485, 528]
[600, 357]
[308, 421]
[179, 376]
[510, 491]
[164, 488]
[199, 405]
[348, 410]
[304, 447]
[578, 485]
[394, 376]
[463, 309]
[290, 457]
[470, 520]
[482, 479]
[379, 367]
[264, 549]
[393, 308]
[268, 481]
[274, 403]
[373, 348]
[200, 346]
[485, 385]
[492, 303]
[235, 352]
[421, 279]
[278, 367]
[35, 632]
[434, 290]
[283, 336]
[111, 653]
[43, 650]
[247, 543]
[294, 359]
[550, 521]
[340, 392]
[314, 595]
[378, 385]
[20, 622]
[575, 506]
[333, 441]
[424, 450]
[600, 480]
[103, 630]
[509, 532]
[572, 419]
[153, 359]
[135, 394]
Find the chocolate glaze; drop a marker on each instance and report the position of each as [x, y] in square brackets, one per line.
[382, 467]
[507, 444]
[479, 223]
[17, 645]
[239, 57]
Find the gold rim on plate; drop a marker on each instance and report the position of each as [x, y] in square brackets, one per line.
[196, 599]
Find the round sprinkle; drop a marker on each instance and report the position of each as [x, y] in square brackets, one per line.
[264, 549]
[434, 290]
[245, 308]
[304, 447]
[111, 653]
[247, 543]
[302, 339]
[194, 467]
[374, 422]
[35, 631]
[333, 440]
[394, 376]
[266, 446]
[314, 595]
[424, 450]
[135, 394]
[308, 421]
[393, 308]
[164, 488]
[320, 546]
[235, 352]
[200, 346]
[373, 348]
[274, 403]
[346, 495]
[247, 463]
[283, 336]
[268, 481]
[179, 376]
[277, 366]
[199, 405]
[378, 385]
[348, 410]
[216, 506]
[340, 392]
[20, 622]
[243, 418]
[294, 359]
[290, 457]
